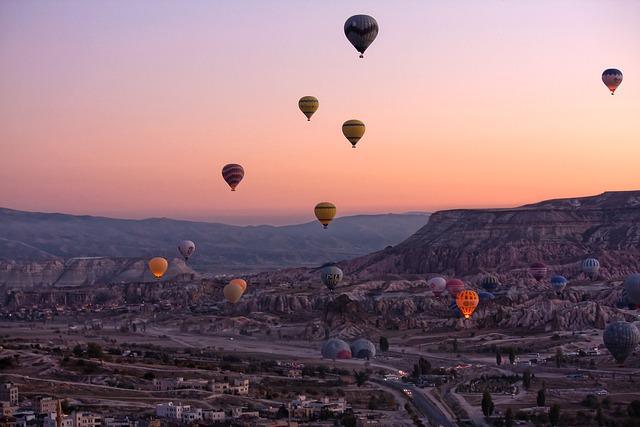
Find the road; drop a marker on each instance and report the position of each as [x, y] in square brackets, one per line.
[435, 416]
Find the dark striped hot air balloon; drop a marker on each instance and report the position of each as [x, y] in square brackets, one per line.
[325, 212]
[233, 174]
[538, 270]
[612, 78]
[621, 338]
[353, 130]
[490, 283]
[632, 288]
[361, 31]
[308, 105]
[590, 267]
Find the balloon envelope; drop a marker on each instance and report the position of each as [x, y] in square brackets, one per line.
[325, 212]
[353, 130]
[454, 286]
[308, 105]
[612, 78]
[486, 296]
[331, 276]
[233, 174]
[437, 285]
[232, 292]
[558, 283]
[186, 248]
[621, 338]
[158, 266]
[363, 349]
[239, 282]
[467, 301]
[490, 283]
[632, 288]
[590, 266]
[538, 270]
[335, 348]
[361, 31]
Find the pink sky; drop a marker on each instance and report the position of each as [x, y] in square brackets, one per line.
[130, 109]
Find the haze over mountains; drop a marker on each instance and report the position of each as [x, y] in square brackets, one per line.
[29, 236]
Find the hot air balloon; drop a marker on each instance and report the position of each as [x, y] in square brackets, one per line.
[623, 302]
[454, 286]
[363, 349]
[331, 276]
[361, 31]
[234, 290]
[590, 267]
[632, 287]
[158, 266]
[233, 174]
[490, 283]
[467, 301]
[353, 130]
[335, 348]
[186, 248]
[558, 283]
[437, 285]
[621, 338]
[325, 212]
[486, 296]
[612, 78]
[538, 270]
[308, 105]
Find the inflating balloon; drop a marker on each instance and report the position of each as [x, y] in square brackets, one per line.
[232, 174]
[325, 212]
[632, 288]
[538, 270]
[234, 289]
[612, 78]
[361, 31]
[558, 283]
[353, 130]
[363, 349]
[621, 338]
[454, 286]
[331, 276]
[486, 296]
[308, 105]
[186, 248]
[467, 301]
[240, 282]
[437, 285]
[335, 348]
[490, 283]
[158, 266]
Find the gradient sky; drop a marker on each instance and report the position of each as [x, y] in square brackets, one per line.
[131, 108]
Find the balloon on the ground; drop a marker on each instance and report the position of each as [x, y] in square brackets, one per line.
[308, 105]
[335, 348]
[325, 212]
[590, 266]
[233, 174]
[331, 276]
[467, 301]
[362, 348]
[234, 289]
[538, 271]
[454, 286]
[158, 266]
[361, 31]
[632, 288]
[612, 78]
[186, 248]
[437, 285]
[486, 296]
[490, 283]
[558, 283]
[621, 338]
[353, 130]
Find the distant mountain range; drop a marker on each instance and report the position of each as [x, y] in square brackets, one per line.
[33, 236]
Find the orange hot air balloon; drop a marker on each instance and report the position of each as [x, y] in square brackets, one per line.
[240, 283]
[467, 301]
[233, 291]
[158, 266]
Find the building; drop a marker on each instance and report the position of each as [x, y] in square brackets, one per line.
[213, 416]
[118, 422]
[86, 419]
[240, 387]
[192, 415]
[294, 373]
[219, 388]
[45, 405]
[7, 422]
[50, 421]
[9, 393]
[169, 410]
[7, 409]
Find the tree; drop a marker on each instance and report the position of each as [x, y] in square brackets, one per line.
[634, 409]
[526, 379]
[361, 377]
[487, 404]
[94, 350]
[424, 365]
[512, 356]
[554, 414]
[498, 357]
[282, 412]
[149, 375]
[541, 399]
[508, 418]
[559, 357]
[455, 345]
[384, 344]
[77, 350]
[599, 416]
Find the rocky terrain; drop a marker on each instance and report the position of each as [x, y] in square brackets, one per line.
[32, 236]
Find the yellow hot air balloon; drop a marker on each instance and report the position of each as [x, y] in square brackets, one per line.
[308, 105]
[232, 292]
[353, 131]
[325, 212]
[240, 283]
[467, 301]
[158, 266]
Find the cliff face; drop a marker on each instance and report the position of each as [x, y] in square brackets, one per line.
[557, 232]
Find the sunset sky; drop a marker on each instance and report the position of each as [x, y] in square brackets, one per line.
[131, 108]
